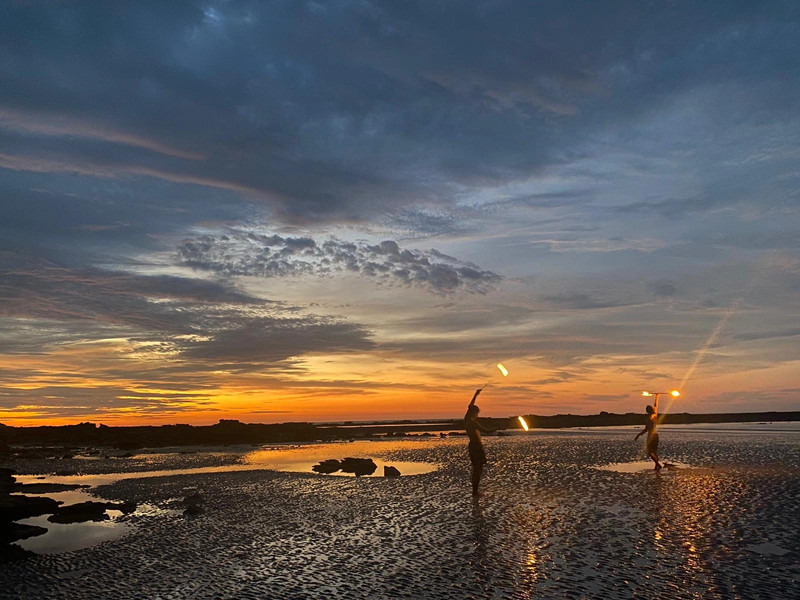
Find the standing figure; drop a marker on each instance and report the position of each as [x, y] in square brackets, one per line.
[477, 455]
[652, 434]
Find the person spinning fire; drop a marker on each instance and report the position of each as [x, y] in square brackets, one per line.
[477, 455]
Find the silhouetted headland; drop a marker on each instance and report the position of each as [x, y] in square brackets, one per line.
[229, 431]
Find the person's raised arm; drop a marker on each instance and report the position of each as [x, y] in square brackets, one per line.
[475, 397]
[655, 406]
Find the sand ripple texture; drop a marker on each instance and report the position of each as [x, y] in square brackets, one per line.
[549, 526]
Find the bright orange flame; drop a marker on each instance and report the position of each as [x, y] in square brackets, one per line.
[646, 394]
[503, 370]
[523, 423]
[675, 393]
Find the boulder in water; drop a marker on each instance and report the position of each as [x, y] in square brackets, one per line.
[358, 466]
[327, 466]
[389, 471]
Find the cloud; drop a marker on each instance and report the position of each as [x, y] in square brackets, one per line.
[259, 255]
[584, 301]
[161, 316]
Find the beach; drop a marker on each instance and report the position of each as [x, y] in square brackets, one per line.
[550, 524]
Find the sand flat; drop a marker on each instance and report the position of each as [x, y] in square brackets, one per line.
[550, 525]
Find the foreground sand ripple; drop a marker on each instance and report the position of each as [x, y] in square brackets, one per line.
[550, 525]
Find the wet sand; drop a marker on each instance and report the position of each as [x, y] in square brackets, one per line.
[551, 524]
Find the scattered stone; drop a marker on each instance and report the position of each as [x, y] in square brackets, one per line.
[358, 466]
[389, 471]
[327, 466]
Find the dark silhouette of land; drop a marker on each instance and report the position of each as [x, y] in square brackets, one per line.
[229, 431]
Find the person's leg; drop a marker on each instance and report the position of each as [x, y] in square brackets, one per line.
[654, 456]
[477, 471]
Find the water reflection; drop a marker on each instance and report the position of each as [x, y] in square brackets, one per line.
[63, 537]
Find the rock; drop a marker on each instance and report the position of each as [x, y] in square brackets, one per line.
[193, 505]
[7, 480]
[327, 466]
[14, 508]
[389, 471]
[193, 499]
[89, 511]
[45, 488]
[193, 510]
[11, 532]
[359, 466]
[12, 552]
[80, 513]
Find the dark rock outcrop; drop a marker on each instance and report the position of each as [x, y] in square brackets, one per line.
[359, 466]
[327, 466]
[45, 488]
[13, 508]
[11, 552]
[89, 511]
[389, 471]
[11, 532]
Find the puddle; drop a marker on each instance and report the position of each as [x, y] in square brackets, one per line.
[301, 459]
[642, 466]
[65, 537]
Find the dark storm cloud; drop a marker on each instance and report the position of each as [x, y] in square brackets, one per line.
[350, 110]
[275, 256]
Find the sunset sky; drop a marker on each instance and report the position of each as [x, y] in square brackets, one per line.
[315, 211]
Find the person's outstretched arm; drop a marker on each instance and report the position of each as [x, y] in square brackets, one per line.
[642, 432]
[475, 397]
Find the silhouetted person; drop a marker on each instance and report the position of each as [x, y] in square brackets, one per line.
[652, 434]
[477, 456]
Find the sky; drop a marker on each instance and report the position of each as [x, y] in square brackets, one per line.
[323, 211]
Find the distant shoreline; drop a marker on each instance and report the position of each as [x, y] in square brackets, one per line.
[229, 431]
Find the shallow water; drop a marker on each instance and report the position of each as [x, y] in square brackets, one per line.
[65, 537]
[550, 525]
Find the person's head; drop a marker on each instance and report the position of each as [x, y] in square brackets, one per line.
[649, 410]
[473, 410]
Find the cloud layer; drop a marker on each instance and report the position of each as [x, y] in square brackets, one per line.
[261, 255]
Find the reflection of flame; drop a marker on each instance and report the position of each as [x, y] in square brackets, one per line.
[503, 370]
[523, 423]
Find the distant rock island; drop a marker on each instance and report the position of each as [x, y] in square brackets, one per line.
[230, 431]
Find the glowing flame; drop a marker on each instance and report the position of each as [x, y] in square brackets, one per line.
[523, 423]
[675, 393]
[503, 370]
[646, 394]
